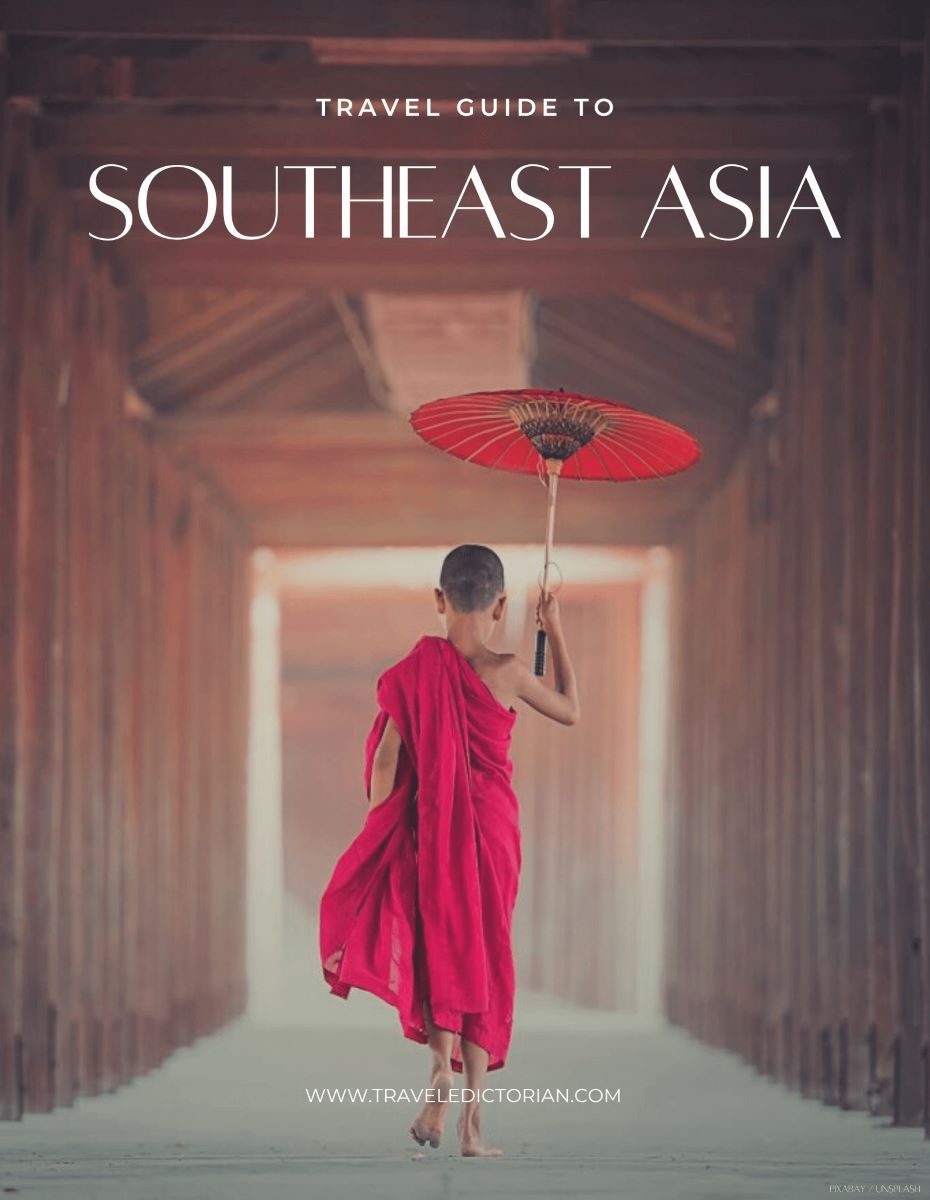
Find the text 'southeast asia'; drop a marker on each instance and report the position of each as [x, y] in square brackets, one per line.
[409, 212]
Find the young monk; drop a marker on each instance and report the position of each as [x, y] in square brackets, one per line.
[418, 910]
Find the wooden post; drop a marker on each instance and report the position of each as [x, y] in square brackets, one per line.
[834, 579]
[14, 152]
[920, 551]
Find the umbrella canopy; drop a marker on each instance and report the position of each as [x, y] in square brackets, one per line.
[592, 439]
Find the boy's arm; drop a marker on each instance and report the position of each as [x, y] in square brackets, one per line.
[560, 703]
[384, 764]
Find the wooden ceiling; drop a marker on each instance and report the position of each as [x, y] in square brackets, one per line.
[267, 361]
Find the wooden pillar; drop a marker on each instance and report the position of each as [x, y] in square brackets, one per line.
[578, 793]
[265, 873]
[654, 713]
[105, 643]
[882, 382]
[920, 550]
[37, 766]
[833, 579]
[911, 1092]
[14, 156]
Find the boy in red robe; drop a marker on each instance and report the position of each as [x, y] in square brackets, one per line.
[419, 907]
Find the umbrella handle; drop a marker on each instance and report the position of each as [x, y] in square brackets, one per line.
[539, 661]
[553, 469]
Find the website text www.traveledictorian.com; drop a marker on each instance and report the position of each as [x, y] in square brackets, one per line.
[493, 1095]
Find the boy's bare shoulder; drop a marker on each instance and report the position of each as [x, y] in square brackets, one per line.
[509, 665]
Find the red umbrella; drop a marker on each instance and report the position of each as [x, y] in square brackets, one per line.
[565, 434]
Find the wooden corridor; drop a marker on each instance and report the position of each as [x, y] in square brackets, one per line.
[167, 406]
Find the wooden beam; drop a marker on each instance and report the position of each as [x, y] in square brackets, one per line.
[190, 326]
[340, 431]
[711, 317]
[634, 380]
[634, 78]
[184, 351]
[721, 383]
[227, 440]
[567, 267]
[309, 495]
[364, 351]
[298, 530]
[252, 345]
[333, 432]
[621, 22]
[324, 356]
[301, 138]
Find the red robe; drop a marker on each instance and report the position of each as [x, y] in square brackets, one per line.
[419, 906]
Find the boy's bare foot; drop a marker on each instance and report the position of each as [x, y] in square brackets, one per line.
[429, 1122]
[469, 1128]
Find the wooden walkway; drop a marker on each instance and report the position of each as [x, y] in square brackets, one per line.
[229, 1119]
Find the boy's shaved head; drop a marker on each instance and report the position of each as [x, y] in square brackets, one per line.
[472, 578]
